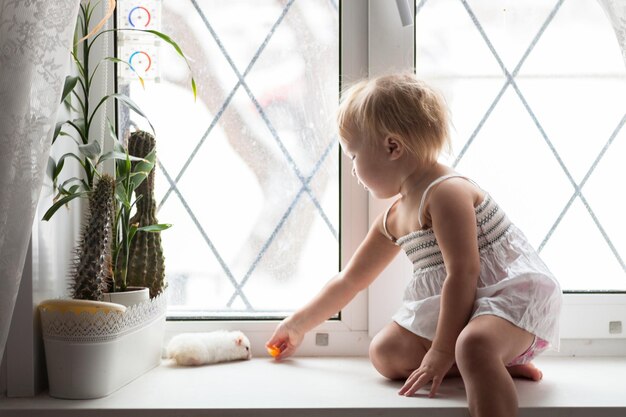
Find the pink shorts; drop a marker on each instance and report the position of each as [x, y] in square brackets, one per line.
[536, 347]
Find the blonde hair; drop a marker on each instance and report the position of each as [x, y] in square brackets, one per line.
[396, 105]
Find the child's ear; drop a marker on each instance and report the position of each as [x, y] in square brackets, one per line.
[394, 147]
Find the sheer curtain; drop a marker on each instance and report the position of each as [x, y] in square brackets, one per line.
[35, 42]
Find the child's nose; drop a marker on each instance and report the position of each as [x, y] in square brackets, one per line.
[353, 171]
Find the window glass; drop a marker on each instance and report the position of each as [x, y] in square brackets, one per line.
[537, 95]
[247, 174]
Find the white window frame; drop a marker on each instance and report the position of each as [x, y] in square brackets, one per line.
[348, 334]
[373, 41]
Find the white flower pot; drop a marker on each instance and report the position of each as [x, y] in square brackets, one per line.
[132, 296]
[92, 354]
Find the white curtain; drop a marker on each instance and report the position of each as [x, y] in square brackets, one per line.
[616, 11]
[35, 44]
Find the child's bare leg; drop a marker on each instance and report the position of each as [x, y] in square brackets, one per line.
[483, 349]
[396, 352]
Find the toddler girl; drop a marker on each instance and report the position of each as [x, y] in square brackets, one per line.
[481, 302]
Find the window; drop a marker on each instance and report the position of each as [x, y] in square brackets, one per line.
[538, 109]
[248, 174]
[552, 131]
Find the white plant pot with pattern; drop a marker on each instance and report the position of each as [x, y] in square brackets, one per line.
[92, 351]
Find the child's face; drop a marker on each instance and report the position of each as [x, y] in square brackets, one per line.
[370, 166]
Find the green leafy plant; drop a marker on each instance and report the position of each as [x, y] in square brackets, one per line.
[103, 254]
[77, 95]
[130, 176]
[130, 171]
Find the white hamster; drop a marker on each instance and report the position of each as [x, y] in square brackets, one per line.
[207, 348]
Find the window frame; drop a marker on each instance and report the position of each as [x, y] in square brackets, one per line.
[599, 310]
[347, 335]
[373, 41]
[350, 335]
[388, 51]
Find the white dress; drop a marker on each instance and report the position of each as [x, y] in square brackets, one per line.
[514, 283]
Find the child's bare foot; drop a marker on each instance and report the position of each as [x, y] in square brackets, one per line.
[528, 371]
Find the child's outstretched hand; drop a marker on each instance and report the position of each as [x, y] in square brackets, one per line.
[284, 341]
[434, 367]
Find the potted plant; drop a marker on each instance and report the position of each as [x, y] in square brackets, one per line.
[137, 274]
[78, 97]
[94, 347]
[104, 252]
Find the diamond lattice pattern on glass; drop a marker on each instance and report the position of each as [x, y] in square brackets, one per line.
[248, 174]
[537, 93]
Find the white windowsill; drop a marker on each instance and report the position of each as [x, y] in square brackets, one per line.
[333, 387]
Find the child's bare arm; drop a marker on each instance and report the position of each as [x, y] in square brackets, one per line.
[453, 217]
[370, 259]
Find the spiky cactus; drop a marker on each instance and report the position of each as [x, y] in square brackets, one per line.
[146, 264]
[93, 272]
